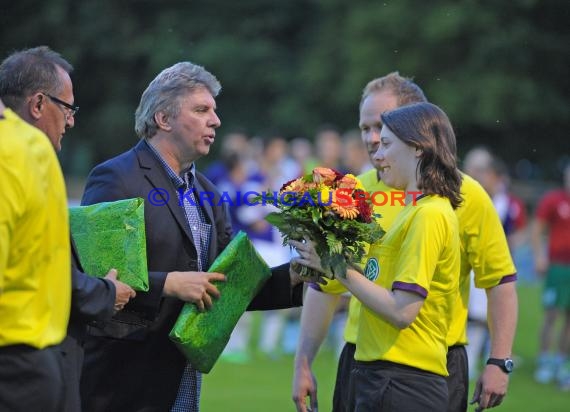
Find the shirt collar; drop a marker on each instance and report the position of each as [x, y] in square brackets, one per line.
[186, 176]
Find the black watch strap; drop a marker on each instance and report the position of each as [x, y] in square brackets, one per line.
[506, 364]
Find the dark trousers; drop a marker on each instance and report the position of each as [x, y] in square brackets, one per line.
[342, 384]
[72, 356]
[30, 379]
[458, 379]
[387, 386]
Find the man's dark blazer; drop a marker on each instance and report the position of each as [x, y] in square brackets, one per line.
[92, 302]
[134, 366]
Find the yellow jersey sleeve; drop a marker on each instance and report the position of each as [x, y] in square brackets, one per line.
[484, 249]
[332, 286]
[485, 246]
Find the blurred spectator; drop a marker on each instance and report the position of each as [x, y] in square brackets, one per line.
[234, 183]
[328, 145]
[279, 167]
[355, 158]
[237, 181]
[231, 143]
[491, 172]
[302, 153]
[274, 167]
[553, 263]
[249, 218]
[276, 164]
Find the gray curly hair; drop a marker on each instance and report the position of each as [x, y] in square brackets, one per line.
[164, 92]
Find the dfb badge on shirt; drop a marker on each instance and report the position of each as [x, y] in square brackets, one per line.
[372, 269]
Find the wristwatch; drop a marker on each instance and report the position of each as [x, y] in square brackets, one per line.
[505, 364]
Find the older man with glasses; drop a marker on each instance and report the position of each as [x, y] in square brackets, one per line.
[35, 83]
[71, 109]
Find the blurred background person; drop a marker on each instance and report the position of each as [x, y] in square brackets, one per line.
[552, 262]
[302, 152]
[278, 167]
[328, 147]
[492, 173]
[249, 218]
[355, 158]
[234, 142]
[234, 180]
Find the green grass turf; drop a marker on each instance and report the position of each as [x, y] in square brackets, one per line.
[265, 385]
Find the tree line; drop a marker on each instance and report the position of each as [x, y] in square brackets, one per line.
[499, 69]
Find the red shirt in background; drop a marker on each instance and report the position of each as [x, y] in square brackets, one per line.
[554, 209]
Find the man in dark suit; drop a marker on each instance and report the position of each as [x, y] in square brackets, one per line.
[134, 366]
[36, 84]
[93, 302]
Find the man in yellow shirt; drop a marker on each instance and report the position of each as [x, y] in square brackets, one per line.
[36, 84]
[35, 281]
[482, 249]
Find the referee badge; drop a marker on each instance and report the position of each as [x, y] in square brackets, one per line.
[371, 269]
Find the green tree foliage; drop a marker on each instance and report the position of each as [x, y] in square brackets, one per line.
[498, 68]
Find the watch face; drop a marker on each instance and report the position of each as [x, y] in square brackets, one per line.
[509, 365]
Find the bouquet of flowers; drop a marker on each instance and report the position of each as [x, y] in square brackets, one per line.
[333, 211]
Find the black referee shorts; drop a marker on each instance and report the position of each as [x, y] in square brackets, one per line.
[31, 379]
[342, 384]
[387, 386]
[458, 379]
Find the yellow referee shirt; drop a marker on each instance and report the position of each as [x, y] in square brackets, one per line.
[388, 212]
[35, 278]
[484, 249]
[419, 254]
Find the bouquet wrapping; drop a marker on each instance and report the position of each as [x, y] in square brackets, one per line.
[112, 235]
[333, 211]
[202, 336]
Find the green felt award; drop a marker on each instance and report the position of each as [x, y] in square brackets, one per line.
[202, 336]
[112, 235]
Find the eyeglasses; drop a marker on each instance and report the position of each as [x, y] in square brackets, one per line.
[72, 109]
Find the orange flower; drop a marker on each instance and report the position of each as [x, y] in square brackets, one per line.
[297, 185]
[330, 208]
[345, 211]
[323, 175]
[347, 182]
[311, 185]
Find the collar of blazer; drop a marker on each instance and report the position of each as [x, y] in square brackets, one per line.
[158, 178]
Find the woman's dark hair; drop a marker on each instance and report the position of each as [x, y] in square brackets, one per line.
[426, 127]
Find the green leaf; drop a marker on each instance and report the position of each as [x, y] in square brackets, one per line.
[278, 220]
[334, 244]
[316, 215]
[338, 265]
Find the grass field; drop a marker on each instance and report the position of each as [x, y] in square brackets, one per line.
[265, 385]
